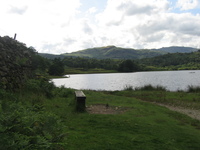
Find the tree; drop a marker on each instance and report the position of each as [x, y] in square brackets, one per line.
[127, 66]
[57, 68]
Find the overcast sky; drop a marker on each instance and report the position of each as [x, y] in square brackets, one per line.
[60, 26]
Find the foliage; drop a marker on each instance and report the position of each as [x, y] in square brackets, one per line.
[127, 66]
[88, 63]
[40, 64]
[176, 61]
[193, 89]
[57, 68]
[151, 88]
[28, 125]
[40, 86]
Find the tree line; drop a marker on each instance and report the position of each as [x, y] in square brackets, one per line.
[175, 61]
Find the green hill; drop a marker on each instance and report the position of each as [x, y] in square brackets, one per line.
[114, 53]
[176, 49]
[174, 61]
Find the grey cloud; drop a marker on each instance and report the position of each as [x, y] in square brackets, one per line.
[190, 28]
[177, 29]
[132, 9]
[154, 37]
[86, 28]
[69, 41]
[151, 28]
[18, 10]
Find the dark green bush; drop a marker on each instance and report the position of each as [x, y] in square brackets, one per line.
[63, 92]
[151, 88]
[128, 88]
[193, 89]
[28, 127]
[40, 86]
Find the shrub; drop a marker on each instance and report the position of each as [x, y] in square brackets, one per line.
[29, 127]
[128, 88]
[193, 89]
[40, 86]
[63, 92]
[151, 88]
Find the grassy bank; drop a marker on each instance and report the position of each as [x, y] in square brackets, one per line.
[87, 71]
[43, 117]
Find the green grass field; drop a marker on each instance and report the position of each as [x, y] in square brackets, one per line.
[47, 120]
[143, 126]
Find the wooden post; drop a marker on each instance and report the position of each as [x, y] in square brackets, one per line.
[15, 36]
[80, 101]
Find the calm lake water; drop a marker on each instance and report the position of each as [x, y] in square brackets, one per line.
[172, 80]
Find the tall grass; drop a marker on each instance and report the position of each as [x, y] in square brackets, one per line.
[25, 121]
[193, 89]
[148, 87]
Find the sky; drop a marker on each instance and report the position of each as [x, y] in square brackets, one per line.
[64, 26]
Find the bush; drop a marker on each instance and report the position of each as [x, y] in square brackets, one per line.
[63, 92]
[151, 88]
[193, 89]
[29, 127]
[128, 88]
[40, 86]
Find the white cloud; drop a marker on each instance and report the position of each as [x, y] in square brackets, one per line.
[149, 24]
[92, 10]
[58, 27]
[187, 4]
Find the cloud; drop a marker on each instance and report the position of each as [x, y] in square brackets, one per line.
[59, 27]
[86, 28]
[92, 10]
[18, 10]
[187, 4]
[149, 24]
[130, 8]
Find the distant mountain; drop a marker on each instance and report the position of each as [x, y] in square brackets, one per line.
[176, 49]
[114, 52]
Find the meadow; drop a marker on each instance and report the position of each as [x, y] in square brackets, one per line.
[42, 116]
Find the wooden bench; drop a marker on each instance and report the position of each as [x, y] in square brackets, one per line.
[80, 100]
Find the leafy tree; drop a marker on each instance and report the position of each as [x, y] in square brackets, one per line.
[57, 68]
[127, 66]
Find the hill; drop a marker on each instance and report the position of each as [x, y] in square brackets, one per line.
[176, 49]
[114, 52]
[174, 61]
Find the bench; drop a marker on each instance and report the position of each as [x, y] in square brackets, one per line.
[80, 100]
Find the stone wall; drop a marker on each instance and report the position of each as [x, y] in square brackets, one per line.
[15, 63]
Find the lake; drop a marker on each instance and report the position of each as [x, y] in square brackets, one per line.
[172, 80]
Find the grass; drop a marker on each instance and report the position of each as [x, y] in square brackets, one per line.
[88, 71]
[143, 126]
[189, 99]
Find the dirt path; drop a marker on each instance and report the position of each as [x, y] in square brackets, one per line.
[104, 109]
[190, 112]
